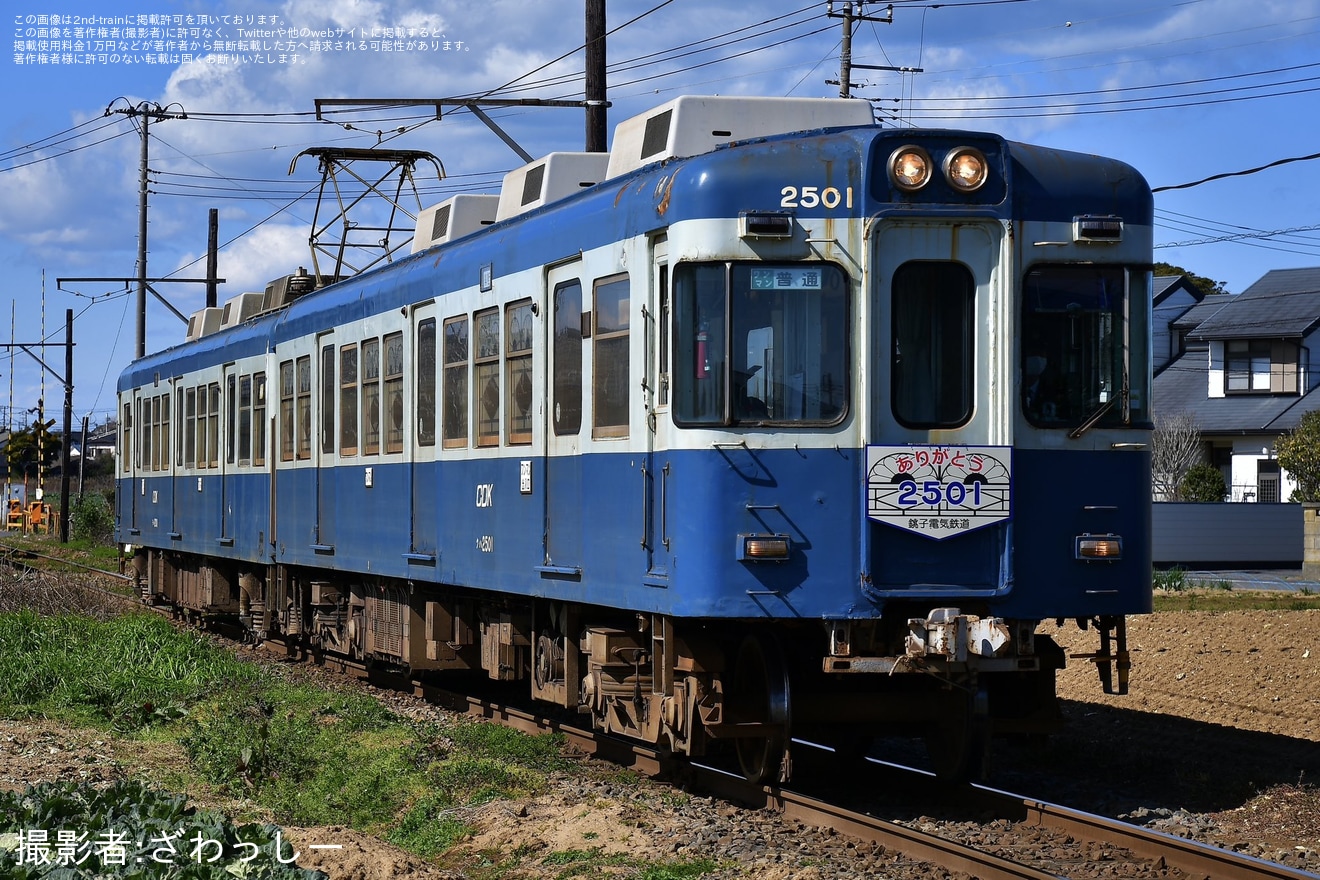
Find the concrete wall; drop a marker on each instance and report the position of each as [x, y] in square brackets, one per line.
[1228, 535]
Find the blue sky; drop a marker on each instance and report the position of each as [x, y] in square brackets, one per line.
[1182, 90]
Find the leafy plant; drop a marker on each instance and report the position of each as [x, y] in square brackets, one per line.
[90, 518]
[1203, 482]
[1299, 454]
[60, 830]
[1170, 579]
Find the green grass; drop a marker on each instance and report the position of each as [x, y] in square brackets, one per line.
[306, 755]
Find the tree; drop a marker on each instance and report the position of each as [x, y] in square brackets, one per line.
[1299, 454]
[23, 449]
[1175, 446]
[1203, 284]
[1203, 482]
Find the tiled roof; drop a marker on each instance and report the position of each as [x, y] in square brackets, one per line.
[1283, 303]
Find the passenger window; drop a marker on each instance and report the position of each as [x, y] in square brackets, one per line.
[348, 399]
[371, 397]
[456, 383]
[933, 348]
[245, 420]
[190, 428]
[609, 384]
[757, 343]
[393, 393]
[203, 420]
[286, 411]
[303, 407]
[487, 376]
[518, 361]
[213, 419]
[258, 418]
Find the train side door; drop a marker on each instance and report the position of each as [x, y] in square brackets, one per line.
[228, 492]
[423, 478]
[323, 454]
[659, 468]
[564, 420]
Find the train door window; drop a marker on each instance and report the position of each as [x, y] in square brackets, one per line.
[286, 411]
[202, 420]
[126, 440]
[487, 377]
[518, 363]
[662, 329]
[371, 397]
[426, 382]
[568, 359]
[933, 351]
[348, 399]
[213, 425]
[164, 432]
[258, 419]
[328, 388]
[609, 358]
[455, 422]
[231, 422]
[245, 419]
[393, 393]
[178, 427]
[190, 427]
[303, 406]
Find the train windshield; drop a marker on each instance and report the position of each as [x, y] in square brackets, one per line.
[1084, 359]
[757, 343]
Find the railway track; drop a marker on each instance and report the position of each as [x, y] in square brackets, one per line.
[1057, 841]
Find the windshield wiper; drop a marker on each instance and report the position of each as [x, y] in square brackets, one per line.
[1089, 421]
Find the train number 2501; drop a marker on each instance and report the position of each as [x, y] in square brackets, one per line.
[812, 196]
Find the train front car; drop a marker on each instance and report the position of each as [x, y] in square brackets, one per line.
[910, 422]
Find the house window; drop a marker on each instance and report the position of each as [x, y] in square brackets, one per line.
[1260, 366]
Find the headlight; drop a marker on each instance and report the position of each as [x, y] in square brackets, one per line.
[910, 168]
[1106, 547]
[966, 170]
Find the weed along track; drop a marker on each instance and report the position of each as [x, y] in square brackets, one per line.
[379, 765]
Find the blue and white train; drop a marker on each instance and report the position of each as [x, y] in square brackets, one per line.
[769, 423]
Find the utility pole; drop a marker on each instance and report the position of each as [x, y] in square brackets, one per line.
[147, 111]
[595, 77]
[844, 82]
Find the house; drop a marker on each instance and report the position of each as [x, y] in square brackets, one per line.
[1244, 372]
[1172, 297]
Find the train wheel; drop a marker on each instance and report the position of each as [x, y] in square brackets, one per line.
[760, 695]
[958, 746]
